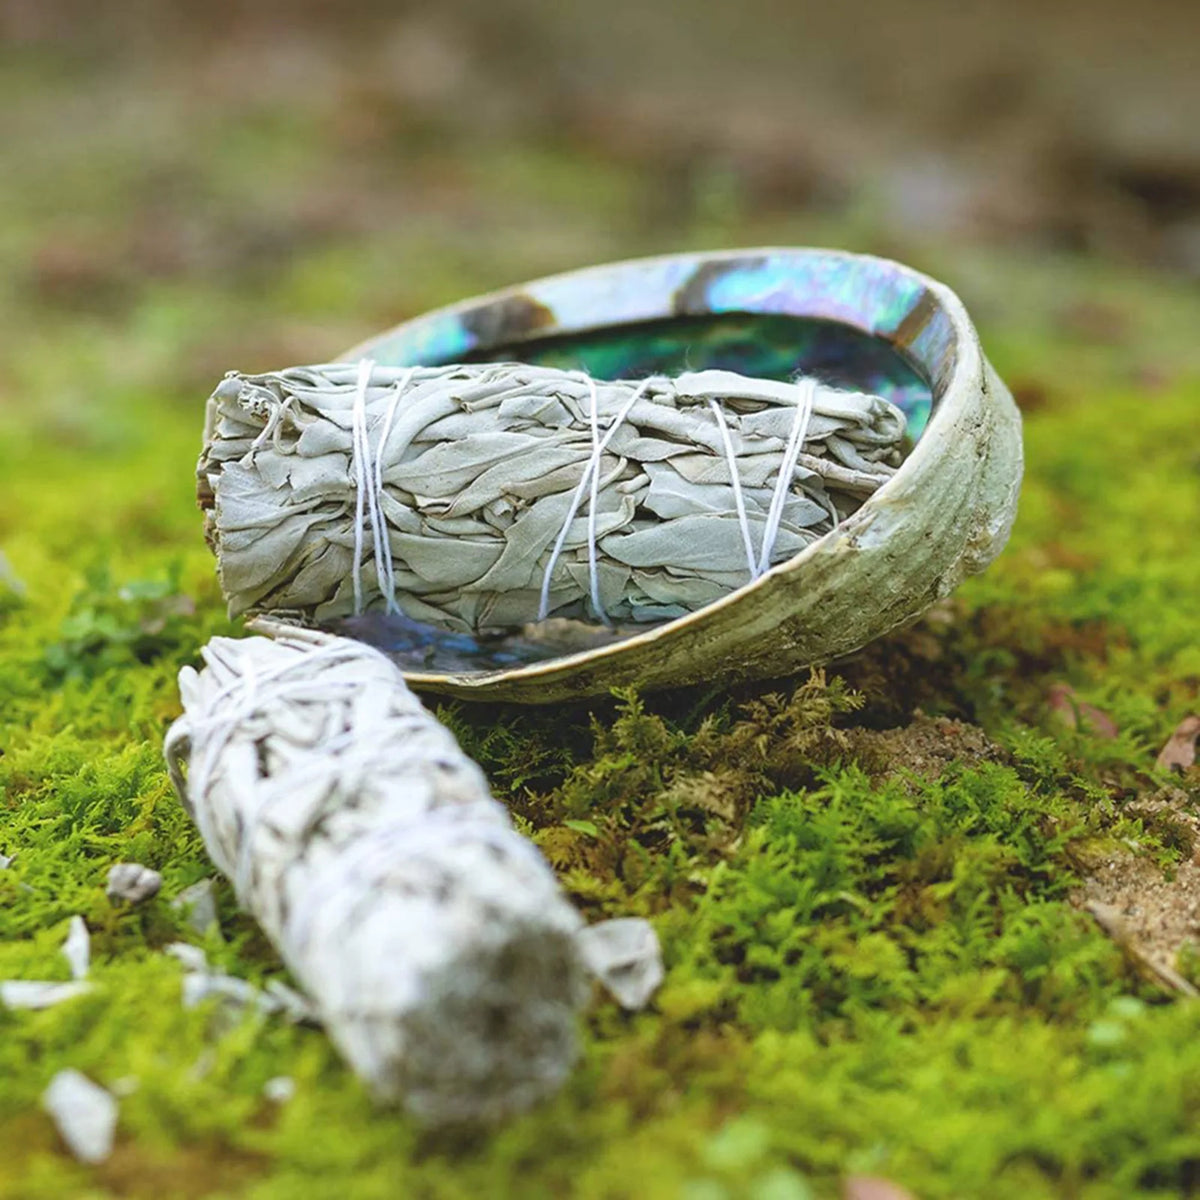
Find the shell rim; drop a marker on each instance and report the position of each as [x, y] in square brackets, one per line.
[966, 362]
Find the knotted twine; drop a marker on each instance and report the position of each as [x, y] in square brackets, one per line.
[482, 497]
[431, 937]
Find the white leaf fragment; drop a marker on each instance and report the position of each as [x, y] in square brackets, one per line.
[192, 957]
[77, 949]
[132, 883]
[9, 579]
[84, 1114]
[275, 998]
[280, 1089]
[433, 939]
[288, 1002]
[198, 988]
[36, 994]
[624, 955]
[198, 903]
[201, 983]
[6, 861]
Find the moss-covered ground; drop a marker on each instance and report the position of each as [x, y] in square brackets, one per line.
[876, 959]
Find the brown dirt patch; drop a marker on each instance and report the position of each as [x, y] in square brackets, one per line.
[926, 747]
[1150, 912]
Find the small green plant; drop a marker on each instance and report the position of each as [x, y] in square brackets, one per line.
[119, 625]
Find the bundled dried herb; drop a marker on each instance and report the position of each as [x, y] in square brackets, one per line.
[482, 497]
[431, 937]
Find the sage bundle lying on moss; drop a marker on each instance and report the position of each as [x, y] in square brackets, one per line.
[431, 937]
[480, 498]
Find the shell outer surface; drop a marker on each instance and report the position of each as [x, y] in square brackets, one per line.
[945, 515]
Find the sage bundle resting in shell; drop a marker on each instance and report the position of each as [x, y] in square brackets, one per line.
[431, 937]
[479, 498]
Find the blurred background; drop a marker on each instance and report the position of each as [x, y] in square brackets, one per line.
[192, 187]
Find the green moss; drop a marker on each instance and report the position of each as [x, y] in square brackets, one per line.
[868, 969]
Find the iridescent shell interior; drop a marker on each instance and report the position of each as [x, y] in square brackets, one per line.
[858, 322]
[767, 347]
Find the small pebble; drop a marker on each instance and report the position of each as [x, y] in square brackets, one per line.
[84, 1114]
[132, 882]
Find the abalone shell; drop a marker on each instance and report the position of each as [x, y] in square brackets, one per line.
[855, 320]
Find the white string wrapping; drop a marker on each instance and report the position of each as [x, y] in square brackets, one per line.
[387, 579]
[739, 501]
[459, 488]
[431, 937]
[591, 474]
[787, 469]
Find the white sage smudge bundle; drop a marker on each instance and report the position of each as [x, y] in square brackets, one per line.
[481, 498]
[430, 936]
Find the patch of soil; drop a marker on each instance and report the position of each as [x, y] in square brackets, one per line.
[1151, 913]
[926, 747]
